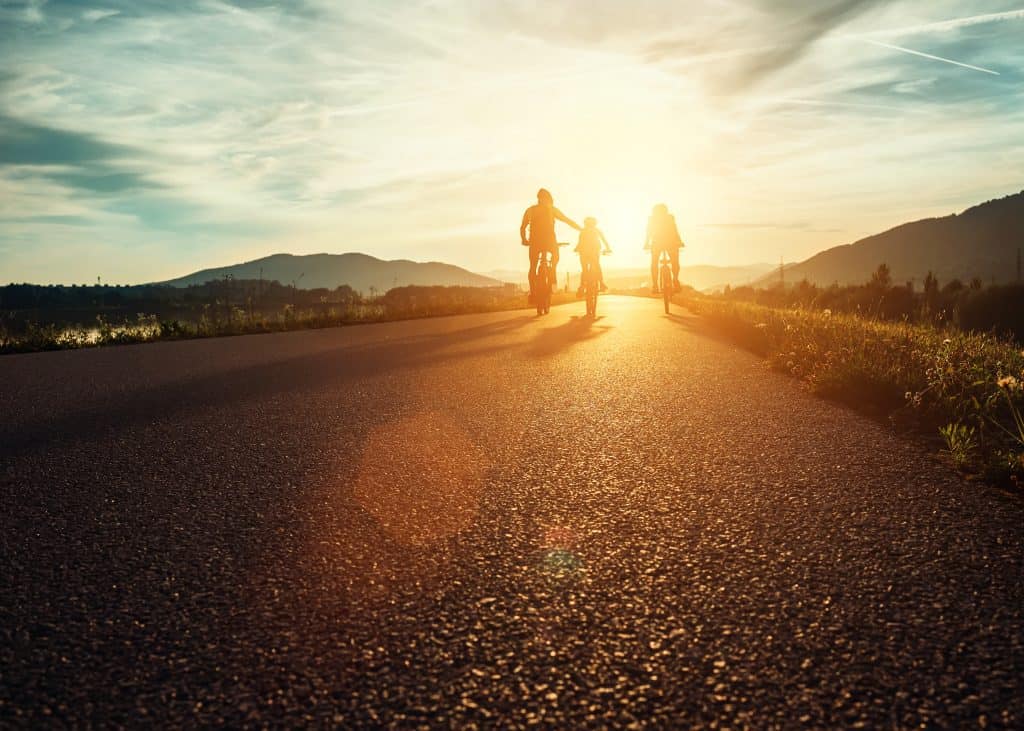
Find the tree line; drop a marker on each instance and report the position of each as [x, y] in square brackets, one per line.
[970, 306]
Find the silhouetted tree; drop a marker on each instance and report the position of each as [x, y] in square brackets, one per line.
[882, 277]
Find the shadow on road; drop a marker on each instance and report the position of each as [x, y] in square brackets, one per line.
[120, 408]
[578, 329]
[699, 326]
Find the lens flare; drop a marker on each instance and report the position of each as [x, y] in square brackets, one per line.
[421, 478]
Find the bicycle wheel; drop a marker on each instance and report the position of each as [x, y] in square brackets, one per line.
[590, 292]
[545, 291]
[666, 287]
[540, 285]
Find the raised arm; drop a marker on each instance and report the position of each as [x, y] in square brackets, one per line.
[565, 219]
[522, 228]
[607, 246]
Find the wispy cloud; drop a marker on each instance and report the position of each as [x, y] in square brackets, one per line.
[756, 225]
[736, 43]
[954, 24]
[172, 135]
[96, 14]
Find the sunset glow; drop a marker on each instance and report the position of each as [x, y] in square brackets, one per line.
[145, 140]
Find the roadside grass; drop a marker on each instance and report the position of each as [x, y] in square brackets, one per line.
[966, 389]
[144, 328]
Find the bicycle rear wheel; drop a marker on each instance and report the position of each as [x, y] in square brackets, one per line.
[544, 296]
[590, 292]
[666, 287]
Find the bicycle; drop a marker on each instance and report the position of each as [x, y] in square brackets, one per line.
[543, 283]
[665, 279]
[591, 285]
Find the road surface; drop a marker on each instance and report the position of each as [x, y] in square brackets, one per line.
[489, 520]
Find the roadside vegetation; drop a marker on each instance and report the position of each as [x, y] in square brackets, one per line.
[971, 306]
[923, 370]
[87, 318]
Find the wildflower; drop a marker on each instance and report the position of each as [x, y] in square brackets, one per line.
[947, 341]
[1010, 383]
[826, 312]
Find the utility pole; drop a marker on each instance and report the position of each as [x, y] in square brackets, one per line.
[228, 278]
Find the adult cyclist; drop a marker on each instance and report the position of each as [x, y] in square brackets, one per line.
[662, 235]
[540, 220]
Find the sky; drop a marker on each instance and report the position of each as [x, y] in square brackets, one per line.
[142, 140]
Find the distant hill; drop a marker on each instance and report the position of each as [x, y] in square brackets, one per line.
[698, 276]
[359, 271]
[980, 242]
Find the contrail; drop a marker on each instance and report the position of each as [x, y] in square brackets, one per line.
[928, 55]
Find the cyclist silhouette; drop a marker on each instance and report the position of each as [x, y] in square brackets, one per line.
[540, 219]
[662, 235]
[589, 249]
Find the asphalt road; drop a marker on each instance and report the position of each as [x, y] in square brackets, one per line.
[490, 520]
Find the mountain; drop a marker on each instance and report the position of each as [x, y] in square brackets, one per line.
[983, 241]
[359, 271]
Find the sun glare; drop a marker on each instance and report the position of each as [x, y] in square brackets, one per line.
[622, 208]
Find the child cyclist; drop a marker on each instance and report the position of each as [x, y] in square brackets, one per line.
[589, 249]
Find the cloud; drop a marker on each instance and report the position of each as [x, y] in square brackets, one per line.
[205, 127]
[954, 24]
[97, 14]
[746, 59]
[73, 159]
[31, 144]
[746, 226]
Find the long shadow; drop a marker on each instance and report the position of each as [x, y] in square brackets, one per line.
[698, 326]
[578, 329]
[336, 366]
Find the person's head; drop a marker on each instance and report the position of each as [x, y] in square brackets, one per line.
[544, 197]
[589, 222]
[660, 210]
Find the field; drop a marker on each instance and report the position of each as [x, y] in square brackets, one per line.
[200, 312]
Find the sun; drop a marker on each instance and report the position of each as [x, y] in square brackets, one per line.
[622, 213]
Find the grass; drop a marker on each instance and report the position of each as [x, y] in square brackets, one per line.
[965, 388]
[144, 328]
